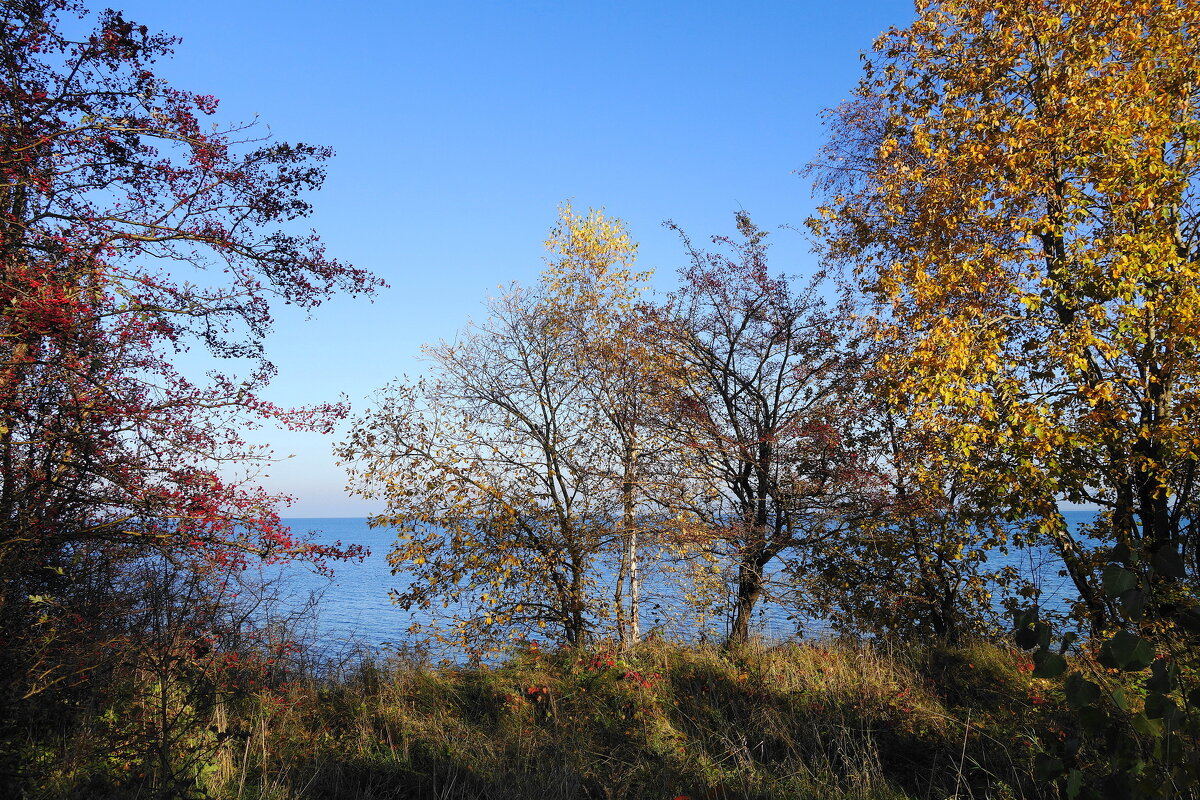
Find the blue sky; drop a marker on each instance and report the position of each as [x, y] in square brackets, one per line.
[460, 127]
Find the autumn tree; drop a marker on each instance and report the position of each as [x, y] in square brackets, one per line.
[484, 468]
[129, 232]
[1015, 185]
[920, 558]
[759, 409]
[592, 295]
[512, 470]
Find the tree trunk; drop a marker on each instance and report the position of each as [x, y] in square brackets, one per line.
[619, 600]
[628, 623]
[1097, 610]
[576, 627]
[629, 521]
[635, 628]
[750, 589]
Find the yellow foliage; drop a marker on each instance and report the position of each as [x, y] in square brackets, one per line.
[1014, 184]
[498, 467]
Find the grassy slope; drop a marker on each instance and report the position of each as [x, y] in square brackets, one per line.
[789, 721]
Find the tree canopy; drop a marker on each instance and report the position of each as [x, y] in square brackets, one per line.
[499, 468]
[129, 232]
[1015, 186]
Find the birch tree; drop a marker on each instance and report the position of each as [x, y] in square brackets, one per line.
[510, 471]
[593, 294]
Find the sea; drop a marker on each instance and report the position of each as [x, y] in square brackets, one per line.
[351, 609]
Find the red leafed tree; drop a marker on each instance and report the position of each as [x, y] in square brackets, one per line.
[761, 407]
[132, 229]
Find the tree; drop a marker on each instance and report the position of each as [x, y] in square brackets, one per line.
[1015, 185]
[759, 408]
[511, 469]
[485, 466]
[917, 560]
[108, 180]
[128, 233]
[591, 297]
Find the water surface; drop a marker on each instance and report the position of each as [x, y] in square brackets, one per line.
[354, 604]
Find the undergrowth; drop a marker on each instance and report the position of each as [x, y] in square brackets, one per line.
[832, 719]
[800, 720]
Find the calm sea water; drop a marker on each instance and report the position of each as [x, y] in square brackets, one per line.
[353, 606]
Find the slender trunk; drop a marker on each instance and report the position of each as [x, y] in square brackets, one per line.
[619, 600]
[1093, 601]
[628, 623]
[749, 590]
[163, 745]
[629, 522]
[635, 628]
[576, 627]
[756, 553]
[945, 617]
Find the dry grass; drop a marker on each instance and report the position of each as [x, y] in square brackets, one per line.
[824, 720]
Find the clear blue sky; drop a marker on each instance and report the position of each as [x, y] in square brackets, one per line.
[460, 126]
